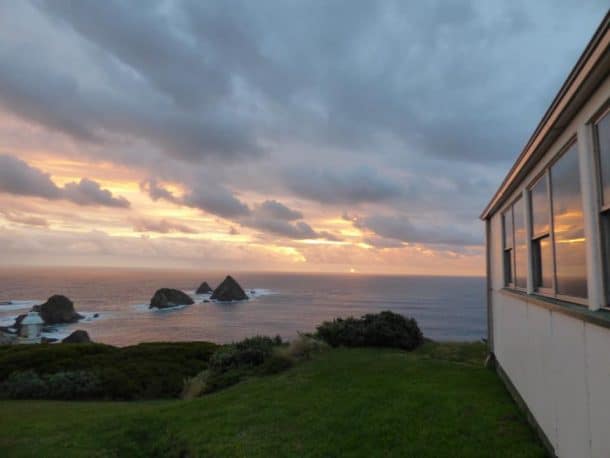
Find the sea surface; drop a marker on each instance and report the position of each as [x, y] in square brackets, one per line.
[446, 308]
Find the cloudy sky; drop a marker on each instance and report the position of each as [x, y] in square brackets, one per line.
[280, 135]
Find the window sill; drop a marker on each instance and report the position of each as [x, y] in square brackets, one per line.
[600, 317]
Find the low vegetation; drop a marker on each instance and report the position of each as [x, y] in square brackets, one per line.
[436, 401]
[385, 329]
[88, 371]
[163, 370]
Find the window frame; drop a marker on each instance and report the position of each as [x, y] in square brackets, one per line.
[511, 250]
[511, 208]
[603, 210]
[573, 140]
[537, 237]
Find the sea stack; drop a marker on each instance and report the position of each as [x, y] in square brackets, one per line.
[204, 288]
[57, 309]
[167, 297]
[78, 336]
[229, 290]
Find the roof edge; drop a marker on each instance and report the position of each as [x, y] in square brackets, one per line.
[557, 106]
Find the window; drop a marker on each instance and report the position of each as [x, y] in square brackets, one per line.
[602, 146]
[568, 226]
[520, 245]
[515, 248]
[507, 225]
[542, 261]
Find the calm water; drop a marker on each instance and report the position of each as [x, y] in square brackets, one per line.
[447, 308]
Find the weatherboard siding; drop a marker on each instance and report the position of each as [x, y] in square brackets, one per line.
[557, 356]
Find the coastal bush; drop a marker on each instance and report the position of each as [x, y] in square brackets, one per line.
[385, 329]
[246, 353]
[24, 385]
[73, 385]
[62, 385]
[231, 363]
[276, 363]
[144, 371]
[304, 346]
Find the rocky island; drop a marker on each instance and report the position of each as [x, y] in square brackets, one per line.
[168, 297]
[229, 290]
[204, 288]
[57, 309]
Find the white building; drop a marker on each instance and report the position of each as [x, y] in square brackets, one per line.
[548, 265]
[30, 330]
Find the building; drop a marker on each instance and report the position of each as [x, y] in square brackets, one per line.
[30, 330]
[548, 265]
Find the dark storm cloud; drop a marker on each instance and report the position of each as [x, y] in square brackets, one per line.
[162, 226]
[351, 186]
[296, 231]
[19, 178]
[210, 197]
[277, 210]
[270, 216]
[89, 192]
[156, 191]
[400, 228]
[216, 199]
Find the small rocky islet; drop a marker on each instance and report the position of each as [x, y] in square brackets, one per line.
[58, 309]
[229, 290]
[169, 297]
[204, 288]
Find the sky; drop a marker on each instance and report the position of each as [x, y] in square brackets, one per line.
[302, 136]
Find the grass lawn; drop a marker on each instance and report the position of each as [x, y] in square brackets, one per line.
[435, 402]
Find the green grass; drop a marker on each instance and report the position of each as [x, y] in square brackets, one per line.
[435, 402]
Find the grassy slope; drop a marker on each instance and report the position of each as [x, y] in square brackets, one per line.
[436, 402]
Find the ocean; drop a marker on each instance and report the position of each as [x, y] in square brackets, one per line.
[446, 308]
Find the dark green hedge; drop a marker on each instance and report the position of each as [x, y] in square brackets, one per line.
[144, 371]
[385, 329]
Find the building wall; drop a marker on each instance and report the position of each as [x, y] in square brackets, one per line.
[559, 363]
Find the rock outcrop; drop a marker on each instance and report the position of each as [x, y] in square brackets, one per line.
[18, 320]
[167, 297]
[229, 290]
[78, 336]
[204, 288]
[57, 309]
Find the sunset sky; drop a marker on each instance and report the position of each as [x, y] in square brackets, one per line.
[269, 135]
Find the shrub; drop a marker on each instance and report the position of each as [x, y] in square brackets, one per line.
[144, 371]
[231, 363]
[276, 363]
[25, 385]
[194, 386]
[304, 346]
[247, 353]
[61, 385]
[385, 329]
[73, 385]
[215, 381]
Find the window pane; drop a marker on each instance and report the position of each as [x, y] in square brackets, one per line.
[507, 219]
[603, 146]
[520, 245]
[508, 267]
[568, 226]
[543, 261]
[540, 208]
